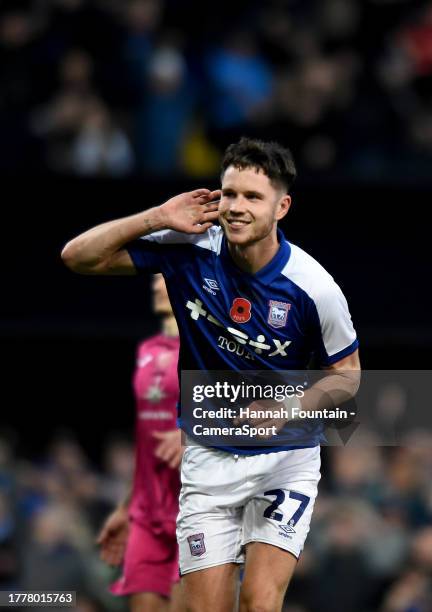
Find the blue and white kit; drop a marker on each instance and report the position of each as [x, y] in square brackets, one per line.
[276, 319]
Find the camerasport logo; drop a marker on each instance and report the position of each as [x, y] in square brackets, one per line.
[241, 310]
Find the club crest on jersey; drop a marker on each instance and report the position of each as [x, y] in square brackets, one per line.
[164, 359]
[278, 313]
[241, 310]
[196, 544]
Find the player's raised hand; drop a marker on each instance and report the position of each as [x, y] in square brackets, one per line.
[113, 537]
[192, 212]
[170, 448]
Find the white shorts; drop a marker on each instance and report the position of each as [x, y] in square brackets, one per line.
[229, 500]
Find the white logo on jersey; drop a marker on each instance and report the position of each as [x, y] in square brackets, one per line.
[259, 345]
[211, 286]
[155, 393]
[212, 283]
[157, 415]
[164, 359]
[143, 361]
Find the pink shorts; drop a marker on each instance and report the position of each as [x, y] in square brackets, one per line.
[151, 561]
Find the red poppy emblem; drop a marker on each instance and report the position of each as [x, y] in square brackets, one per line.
[241, 310]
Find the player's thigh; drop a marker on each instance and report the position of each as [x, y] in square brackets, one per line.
[177, 599]
[210, 520]
[268, 571]
[148, 602]
[214, 589]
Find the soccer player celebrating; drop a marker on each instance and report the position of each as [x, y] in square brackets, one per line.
[141, 531]
[244, 299]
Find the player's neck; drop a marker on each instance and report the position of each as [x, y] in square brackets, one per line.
[253, 257]
[169, 327]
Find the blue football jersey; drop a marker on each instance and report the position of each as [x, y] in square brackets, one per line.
[276, 319]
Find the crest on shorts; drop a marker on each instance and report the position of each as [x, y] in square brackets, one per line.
[278, 313]
[196, 544]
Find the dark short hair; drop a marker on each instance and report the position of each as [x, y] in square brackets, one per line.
[272, 158]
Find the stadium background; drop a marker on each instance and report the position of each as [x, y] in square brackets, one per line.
[110, 107]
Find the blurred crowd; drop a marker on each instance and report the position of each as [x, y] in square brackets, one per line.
[160, 87]
[51, 508]
[369, 549]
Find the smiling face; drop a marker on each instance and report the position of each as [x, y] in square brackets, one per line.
[250, 206]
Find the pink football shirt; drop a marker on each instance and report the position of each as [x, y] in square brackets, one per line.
[156, 486]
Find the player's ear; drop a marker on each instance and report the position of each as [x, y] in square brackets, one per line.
[283, 207]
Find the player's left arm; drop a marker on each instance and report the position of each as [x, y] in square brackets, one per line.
[113, 535]
[339, 384]
[350, 362]
[341, 371]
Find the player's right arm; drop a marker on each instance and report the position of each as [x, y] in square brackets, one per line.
[100, 250]
[113, 535]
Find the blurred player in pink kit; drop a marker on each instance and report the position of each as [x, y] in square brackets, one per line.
[141, 532]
